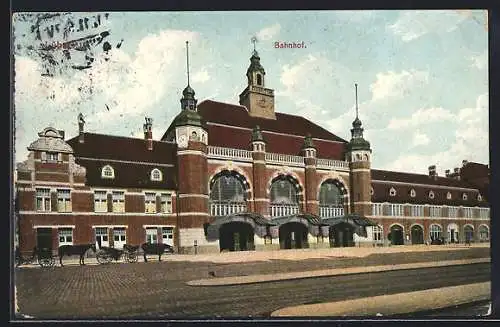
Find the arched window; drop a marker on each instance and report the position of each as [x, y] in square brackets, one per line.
[464, 196]
[284, 194]
[392, 191]
[448, 196]
[259, 79]
[413, 193]
[284, 191]
[431, 195]
[227, 194]
[484, 234]
[435, 232]
[372, 191]
[479, 197]
[156, 175]
[107, 172]
[331, 199]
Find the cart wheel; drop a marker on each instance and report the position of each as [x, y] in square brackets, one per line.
[132, 257]
[102, 257]
[45, 262]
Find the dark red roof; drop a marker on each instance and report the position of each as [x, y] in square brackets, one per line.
[230, 137]
[423, 184]
[396, 176]
[130, 175]
[124, 154]
[213, 112]
[123, 148]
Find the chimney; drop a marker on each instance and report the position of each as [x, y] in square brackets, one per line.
[447, 173]
[62, 134]
[81, 124]
[432, 170]
[148, 133]
[464, 162]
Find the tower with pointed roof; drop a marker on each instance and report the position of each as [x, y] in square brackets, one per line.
[258, 99]
[192, 140]
[359, 157]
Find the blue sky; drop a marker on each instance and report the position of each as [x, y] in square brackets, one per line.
[422, 76]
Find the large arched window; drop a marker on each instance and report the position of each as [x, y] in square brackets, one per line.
[284, 196]
[331, 199]
[227, 194]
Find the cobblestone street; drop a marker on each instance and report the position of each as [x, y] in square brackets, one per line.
[158, 289]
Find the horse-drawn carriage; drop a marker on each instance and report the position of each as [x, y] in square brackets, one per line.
[107, 254]
[43, 256]
[131, 252]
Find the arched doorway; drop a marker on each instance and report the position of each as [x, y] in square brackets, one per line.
[452, 233]
[331, 199]
[396, 235]
[417, 235]
[293, 235]
[484, 233]
[468, 233]
[236, 236]
[284, 196]
[228, 193]
[342, 235]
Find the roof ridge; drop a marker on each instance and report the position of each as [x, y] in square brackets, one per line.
[120, 136]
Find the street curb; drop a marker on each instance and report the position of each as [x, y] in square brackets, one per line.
[394, 304]
[262, 278]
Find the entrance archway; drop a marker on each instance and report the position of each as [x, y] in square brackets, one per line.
[396, 235]
[44, 238]
[236, 236]
[342, 235]
[417, 235]
[452, 233]
[468, 233]
[293, 235]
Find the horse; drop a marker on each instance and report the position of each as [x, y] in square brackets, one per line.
[156, 248]
[80, 250]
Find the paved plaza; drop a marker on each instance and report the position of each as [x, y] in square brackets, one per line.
[160, 289]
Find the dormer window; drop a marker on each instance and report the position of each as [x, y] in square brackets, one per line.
[392, 192]
[413, 193]
[259, 79]
[464, 196]
[156, 175]
[431, 195]
[448, 196]
[108, 172]
[52, 156]
[479, 197]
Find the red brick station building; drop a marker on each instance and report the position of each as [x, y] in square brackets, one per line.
[230, 177]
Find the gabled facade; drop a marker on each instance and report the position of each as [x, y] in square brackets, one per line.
[228, 177]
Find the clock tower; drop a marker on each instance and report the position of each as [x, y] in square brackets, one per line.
[258, 99]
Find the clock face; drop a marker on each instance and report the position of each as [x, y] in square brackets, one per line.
[182, 142]
[262, 102]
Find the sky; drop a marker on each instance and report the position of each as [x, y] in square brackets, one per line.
[422, 75]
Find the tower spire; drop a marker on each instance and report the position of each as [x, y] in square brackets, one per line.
[254, 41]
[356, 90]
[187, 60]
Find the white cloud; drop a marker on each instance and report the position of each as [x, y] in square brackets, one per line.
[129, 85]
[470, 143]
[392, 84]
[421, 117]
[420, 139]
[269, 32]
[480, 61]
[201, 76]
[413, 24]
